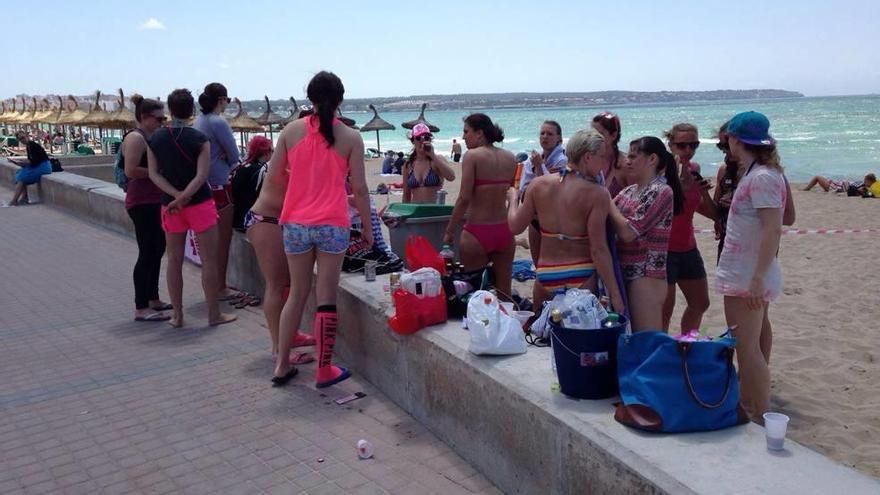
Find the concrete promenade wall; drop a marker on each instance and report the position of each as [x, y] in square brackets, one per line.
[499, 412]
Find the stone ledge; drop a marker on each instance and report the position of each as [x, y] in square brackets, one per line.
[499, 413]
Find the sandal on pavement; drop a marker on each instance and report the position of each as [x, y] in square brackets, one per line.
[298, 358]
[163, 306]
[157, 316]
[280, 381]
[302, 340]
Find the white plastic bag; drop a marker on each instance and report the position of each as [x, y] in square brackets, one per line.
[422, 282]
[492, 331]
[580, 310]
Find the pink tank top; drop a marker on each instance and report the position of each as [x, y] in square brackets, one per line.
[316, 185]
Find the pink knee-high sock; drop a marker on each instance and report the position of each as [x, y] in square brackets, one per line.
[325, 334]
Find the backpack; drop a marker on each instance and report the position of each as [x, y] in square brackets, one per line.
[121, 178]
[245, 183]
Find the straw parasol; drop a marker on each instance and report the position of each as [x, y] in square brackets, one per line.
[55, 113]
[122, 117]
[345, 120]
[421, 120]
[242, 122]
[270, 118]
[377, 124]
[72, 114]
[46, 112]
[97, 116]
[294, 111]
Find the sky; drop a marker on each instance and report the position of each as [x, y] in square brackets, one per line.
[391, 48]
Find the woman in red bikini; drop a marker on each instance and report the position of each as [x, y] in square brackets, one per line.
[486, 174]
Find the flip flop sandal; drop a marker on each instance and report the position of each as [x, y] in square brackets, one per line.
[301, 358]
[244, 301]
[163, 307]
[255, 301]
[303, 340]
[280, 381]
[153, 317]
[231, 297]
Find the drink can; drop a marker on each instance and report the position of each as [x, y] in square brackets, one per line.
[370, 271]
[441, 197]
[394, 281]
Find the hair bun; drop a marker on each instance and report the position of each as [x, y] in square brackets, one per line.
[136, 99]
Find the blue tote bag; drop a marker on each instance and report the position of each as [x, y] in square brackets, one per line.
[671, 386]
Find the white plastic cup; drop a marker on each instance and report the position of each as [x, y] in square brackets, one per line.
[365, 449]
[523, 316]
[775, 425]
[508, 307]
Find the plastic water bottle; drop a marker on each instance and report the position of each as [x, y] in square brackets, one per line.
[448, 256]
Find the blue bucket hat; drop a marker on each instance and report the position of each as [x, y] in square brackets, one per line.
[751, 128]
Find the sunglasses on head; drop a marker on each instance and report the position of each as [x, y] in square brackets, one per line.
[425, 138]
[692, 145]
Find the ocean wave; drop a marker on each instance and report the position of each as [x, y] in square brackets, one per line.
[796, 138]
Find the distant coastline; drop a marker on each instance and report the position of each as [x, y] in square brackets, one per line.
[489, 101]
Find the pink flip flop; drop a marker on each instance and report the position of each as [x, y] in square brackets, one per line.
[303, 340]
[298, 358]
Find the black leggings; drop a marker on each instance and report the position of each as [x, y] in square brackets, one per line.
[151, 245]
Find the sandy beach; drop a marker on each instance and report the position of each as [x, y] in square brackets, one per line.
[825, 365]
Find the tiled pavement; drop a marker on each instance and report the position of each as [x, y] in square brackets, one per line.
[93, 402]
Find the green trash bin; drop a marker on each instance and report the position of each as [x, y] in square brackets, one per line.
[427, 220]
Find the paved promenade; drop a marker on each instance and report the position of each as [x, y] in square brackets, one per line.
[93, 402]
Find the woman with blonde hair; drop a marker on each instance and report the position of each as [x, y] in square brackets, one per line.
[749, 275]
[572, 209]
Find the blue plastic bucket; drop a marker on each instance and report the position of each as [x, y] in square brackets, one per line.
[586, 360]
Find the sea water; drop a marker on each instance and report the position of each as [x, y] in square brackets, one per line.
[838, 137]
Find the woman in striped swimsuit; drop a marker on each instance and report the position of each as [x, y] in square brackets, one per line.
[572, 209]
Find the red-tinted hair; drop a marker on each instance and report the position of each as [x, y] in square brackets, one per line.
[257, 147]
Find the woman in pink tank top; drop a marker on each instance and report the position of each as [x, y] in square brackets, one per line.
[314, 156]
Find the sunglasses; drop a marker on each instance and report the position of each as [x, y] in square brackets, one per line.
[723, 146]
[692, 145]
[424, 138]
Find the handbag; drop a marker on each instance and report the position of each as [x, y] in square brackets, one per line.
[358, 253]
[674, 386]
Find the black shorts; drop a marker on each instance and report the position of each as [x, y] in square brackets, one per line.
[456, 157]
[684, 266]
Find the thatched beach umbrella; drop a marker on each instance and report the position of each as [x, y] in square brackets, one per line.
[122, 117]
[55, 113]
[345, 120]
[44, 111]
[294, 111]
[421, 120]
[377, 124]
[97, 116]
[72, 113]
[270, 118]
[243, 123]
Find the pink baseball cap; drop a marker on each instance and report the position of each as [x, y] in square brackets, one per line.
[420, 130]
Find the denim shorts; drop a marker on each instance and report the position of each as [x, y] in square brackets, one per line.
[299, 239]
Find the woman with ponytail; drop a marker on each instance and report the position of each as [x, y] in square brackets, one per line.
[487, 172]
[143, 202]
[314, 157]
[224, 156]
[642, 217]
[749, 275]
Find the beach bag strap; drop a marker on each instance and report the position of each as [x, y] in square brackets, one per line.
[683, 348]
[180, 148]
